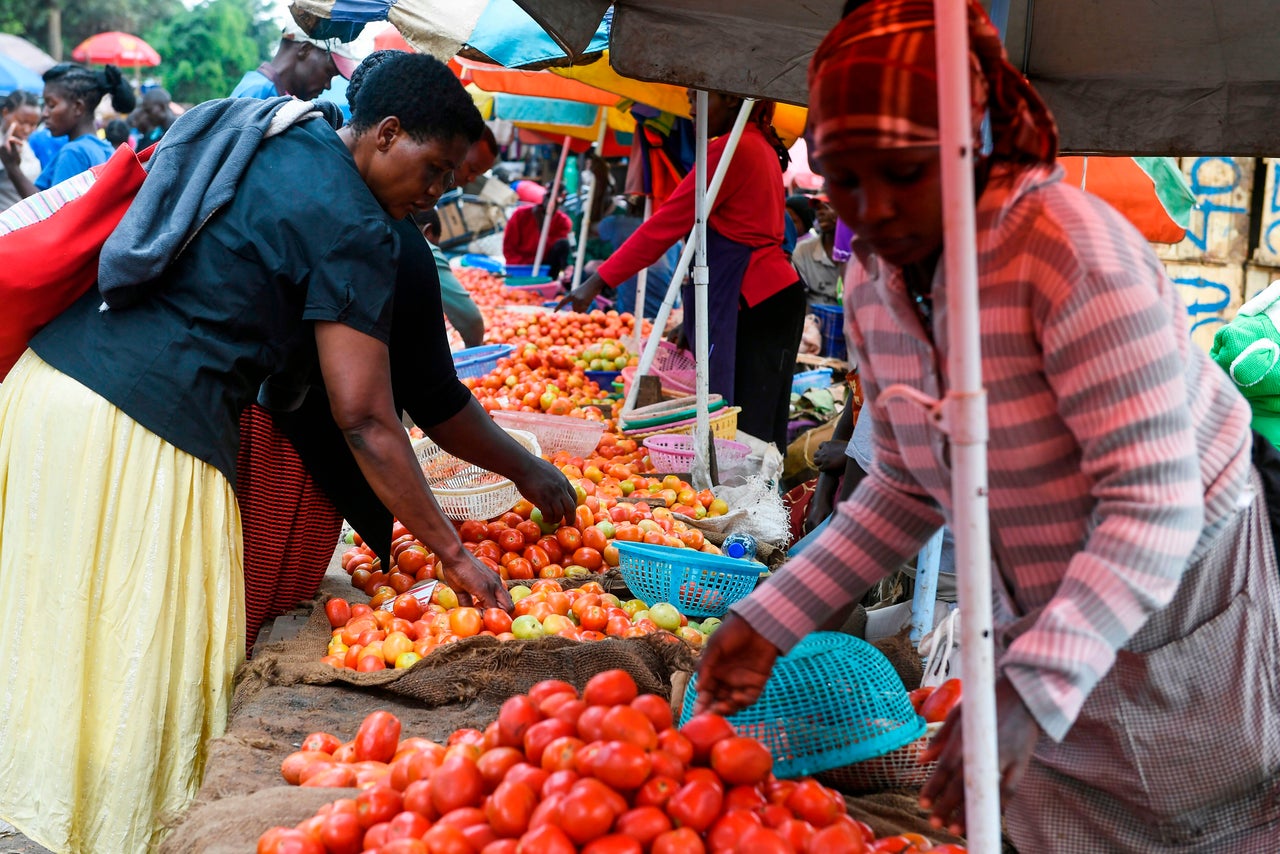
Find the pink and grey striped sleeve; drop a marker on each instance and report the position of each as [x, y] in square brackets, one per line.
[1115, 356]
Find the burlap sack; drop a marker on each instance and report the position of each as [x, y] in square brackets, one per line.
[479, 667]
[233, 825]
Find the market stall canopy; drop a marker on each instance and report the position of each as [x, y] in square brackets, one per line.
[25, 53]
[14, 75]
[1178, 77]
[116, 48]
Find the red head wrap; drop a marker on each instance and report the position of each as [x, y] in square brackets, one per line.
[873, 84]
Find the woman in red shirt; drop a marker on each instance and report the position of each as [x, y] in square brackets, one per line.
[755, 302]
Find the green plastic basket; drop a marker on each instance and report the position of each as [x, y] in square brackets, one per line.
[832, 701]
[699, 584]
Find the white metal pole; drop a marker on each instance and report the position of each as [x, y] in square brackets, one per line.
[686, 256]
[591, 201]
[642, 282]
[965, 411]
[700, 473]
[550, 212]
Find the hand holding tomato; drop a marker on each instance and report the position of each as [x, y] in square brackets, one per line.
[736, 664]
[549, 490]
[581, 296]
[475, 583]
[1016, 735]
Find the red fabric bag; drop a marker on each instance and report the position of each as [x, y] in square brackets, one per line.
[49, 246]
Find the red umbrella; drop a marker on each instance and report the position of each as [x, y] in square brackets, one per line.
[390, 39]
[115, 48]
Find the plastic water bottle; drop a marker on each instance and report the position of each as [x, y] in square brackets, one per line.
[740, 546]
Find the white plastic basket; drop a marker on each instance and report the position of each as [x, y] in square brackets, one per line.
[897, 769]
[576, 436]
[674, 452]
[466, 491]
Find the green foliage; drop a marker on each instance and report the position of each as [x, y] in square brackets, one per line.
[82, 18]
[209, 48]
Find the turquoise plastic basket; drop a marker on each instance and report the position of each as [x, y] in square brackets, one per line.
[478, 361]
[699, 584]
[832, 701]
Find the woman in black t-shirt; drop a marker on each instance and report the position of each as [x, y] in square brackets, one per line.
[120, 539]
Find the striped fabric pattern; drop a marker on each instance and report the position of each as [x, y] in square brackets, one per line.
[290, 527]
[1116, 446]
[42, 205]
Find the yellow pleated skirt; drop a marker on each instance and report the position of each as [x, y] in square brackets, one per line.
[121, 617]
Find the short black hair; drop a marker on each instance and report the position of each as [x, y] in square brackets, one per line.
[19, 98]
[802, 206]
[419, 90]
[80, 84]
[427, 220]
[117, 131]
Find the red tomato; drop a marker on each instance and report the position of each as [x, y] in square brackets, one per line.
[594, 538]
[472, 531]
[338, 611]
[815, 804]
[685, 840]
[625, 723]
[614, 843]
[495, 763]
[741, 761]
[919, 695]
[763, 840]
[569, 538]
[456, 783]
[728, 829]
[509, 808]
[796, 832]
[939, 704]
[502, 846]
[407, 825]
[531, 775]
[643, 824]
[530, 530]
[585, 817]
[547, 687]
[588, 557]
[552, 547]
[623, 765]
[657, 709]
[288, 840]
[559, 754]
[570, 710]
[666, 765]
[559, 782]
[295, 762]
[744, 798]
[378, 737]
[537, 557]
[695, 805]
[341, 833]
[610, 688]
[547, 839]
[377, 804]
[839, 838]
[675, 743]
[538, 736]
[332, 776]
[510, 540]
[547, 811]
[407, 607]
[703, 731]
[444, 839]
[515, 717]
[497, 620]
[657, 791]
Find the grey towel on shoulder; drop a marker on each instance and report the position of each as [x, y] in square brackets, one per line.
[193, 172]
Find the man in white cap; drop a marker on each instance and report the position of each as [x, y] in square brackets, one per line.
[303, 67]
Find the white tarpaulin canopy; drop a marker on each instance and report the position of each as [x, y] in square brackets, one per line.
[1176, 77]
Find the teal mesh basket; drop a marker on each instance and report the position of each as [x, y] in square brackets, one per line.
[832, 701]
[699, 584]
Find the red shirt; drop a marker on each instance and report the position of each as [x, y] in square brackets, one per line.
[520, 238]
[748, 210]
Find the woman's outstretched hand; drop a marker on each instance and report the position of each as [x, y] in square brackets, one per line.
[736, 664]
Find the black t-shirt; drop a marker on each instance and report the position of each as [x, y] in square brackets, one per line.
[422, 377]
[303, 240]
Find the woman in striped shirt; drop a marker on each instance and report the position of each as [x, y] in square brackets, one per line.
[1137, 602]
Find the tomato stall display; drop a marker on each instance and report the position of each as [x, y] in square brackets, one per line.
[488, 290]
[574, 330]
[601, 772]
[607, 354]
[400, 636]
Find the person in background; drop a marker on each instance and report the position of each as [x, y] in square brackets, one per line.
[71, 94]
[524, 229]
[302, 67]
[755, 300]
[116, 133]
[812, 258]
[157, 106]
[45, 145]
[1136, 596]
[480, 158]
[459, 307]
[19, 115]
[140, 125]
[801, 213]
[616, 228]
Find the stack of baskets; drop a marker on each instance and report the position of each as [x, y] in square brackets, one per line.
[699, 584]
[673, 452]
[674, 368]
[576, 436]
[835, 707]
[466, 491]
[680, 416]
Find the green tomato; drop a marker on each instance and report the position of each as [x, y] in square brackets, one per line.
[606, 527]
[627, 487]
[349, 538]
[519, 592]
[543, 525]
[709, 625]
[640, 615]
[573, 570]
[665, 615]
[633, 606]
[527, 627]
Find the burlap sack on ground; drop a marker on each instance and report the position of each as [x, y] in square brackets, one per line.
[233, 825]
[474, 668]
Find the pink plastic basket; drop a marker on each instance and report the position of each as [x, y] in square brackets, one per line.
[674, 367]
[674, 452]
[577, 436]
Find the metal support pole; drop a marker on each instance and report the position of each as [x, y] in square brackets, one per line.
[642, 281]
[585, 229]
[700, 472]
[550, 212]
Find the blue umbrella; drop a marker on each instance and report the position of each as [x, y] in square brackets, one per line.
[509, 36]
[16, 76]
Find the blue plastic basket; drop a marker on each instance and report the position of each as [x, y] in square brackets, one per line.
[527, 270]
[831, 321]
[699, 584]
[832, 701]
[604, 379]
[483, 262]
[478, 361]
[819, 378]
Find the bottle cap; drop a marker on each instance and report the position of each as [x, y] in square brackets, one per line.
[735, 549]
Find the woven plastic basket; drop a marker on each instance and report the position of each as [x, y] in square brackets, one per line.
[819, 378]
[724, 425]
[478, 361]
[897, 769]
[604, 379]
[831, 322]
[674, 452]
[576, 436]
[466, 491]
[832, 701]
[699, 584]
